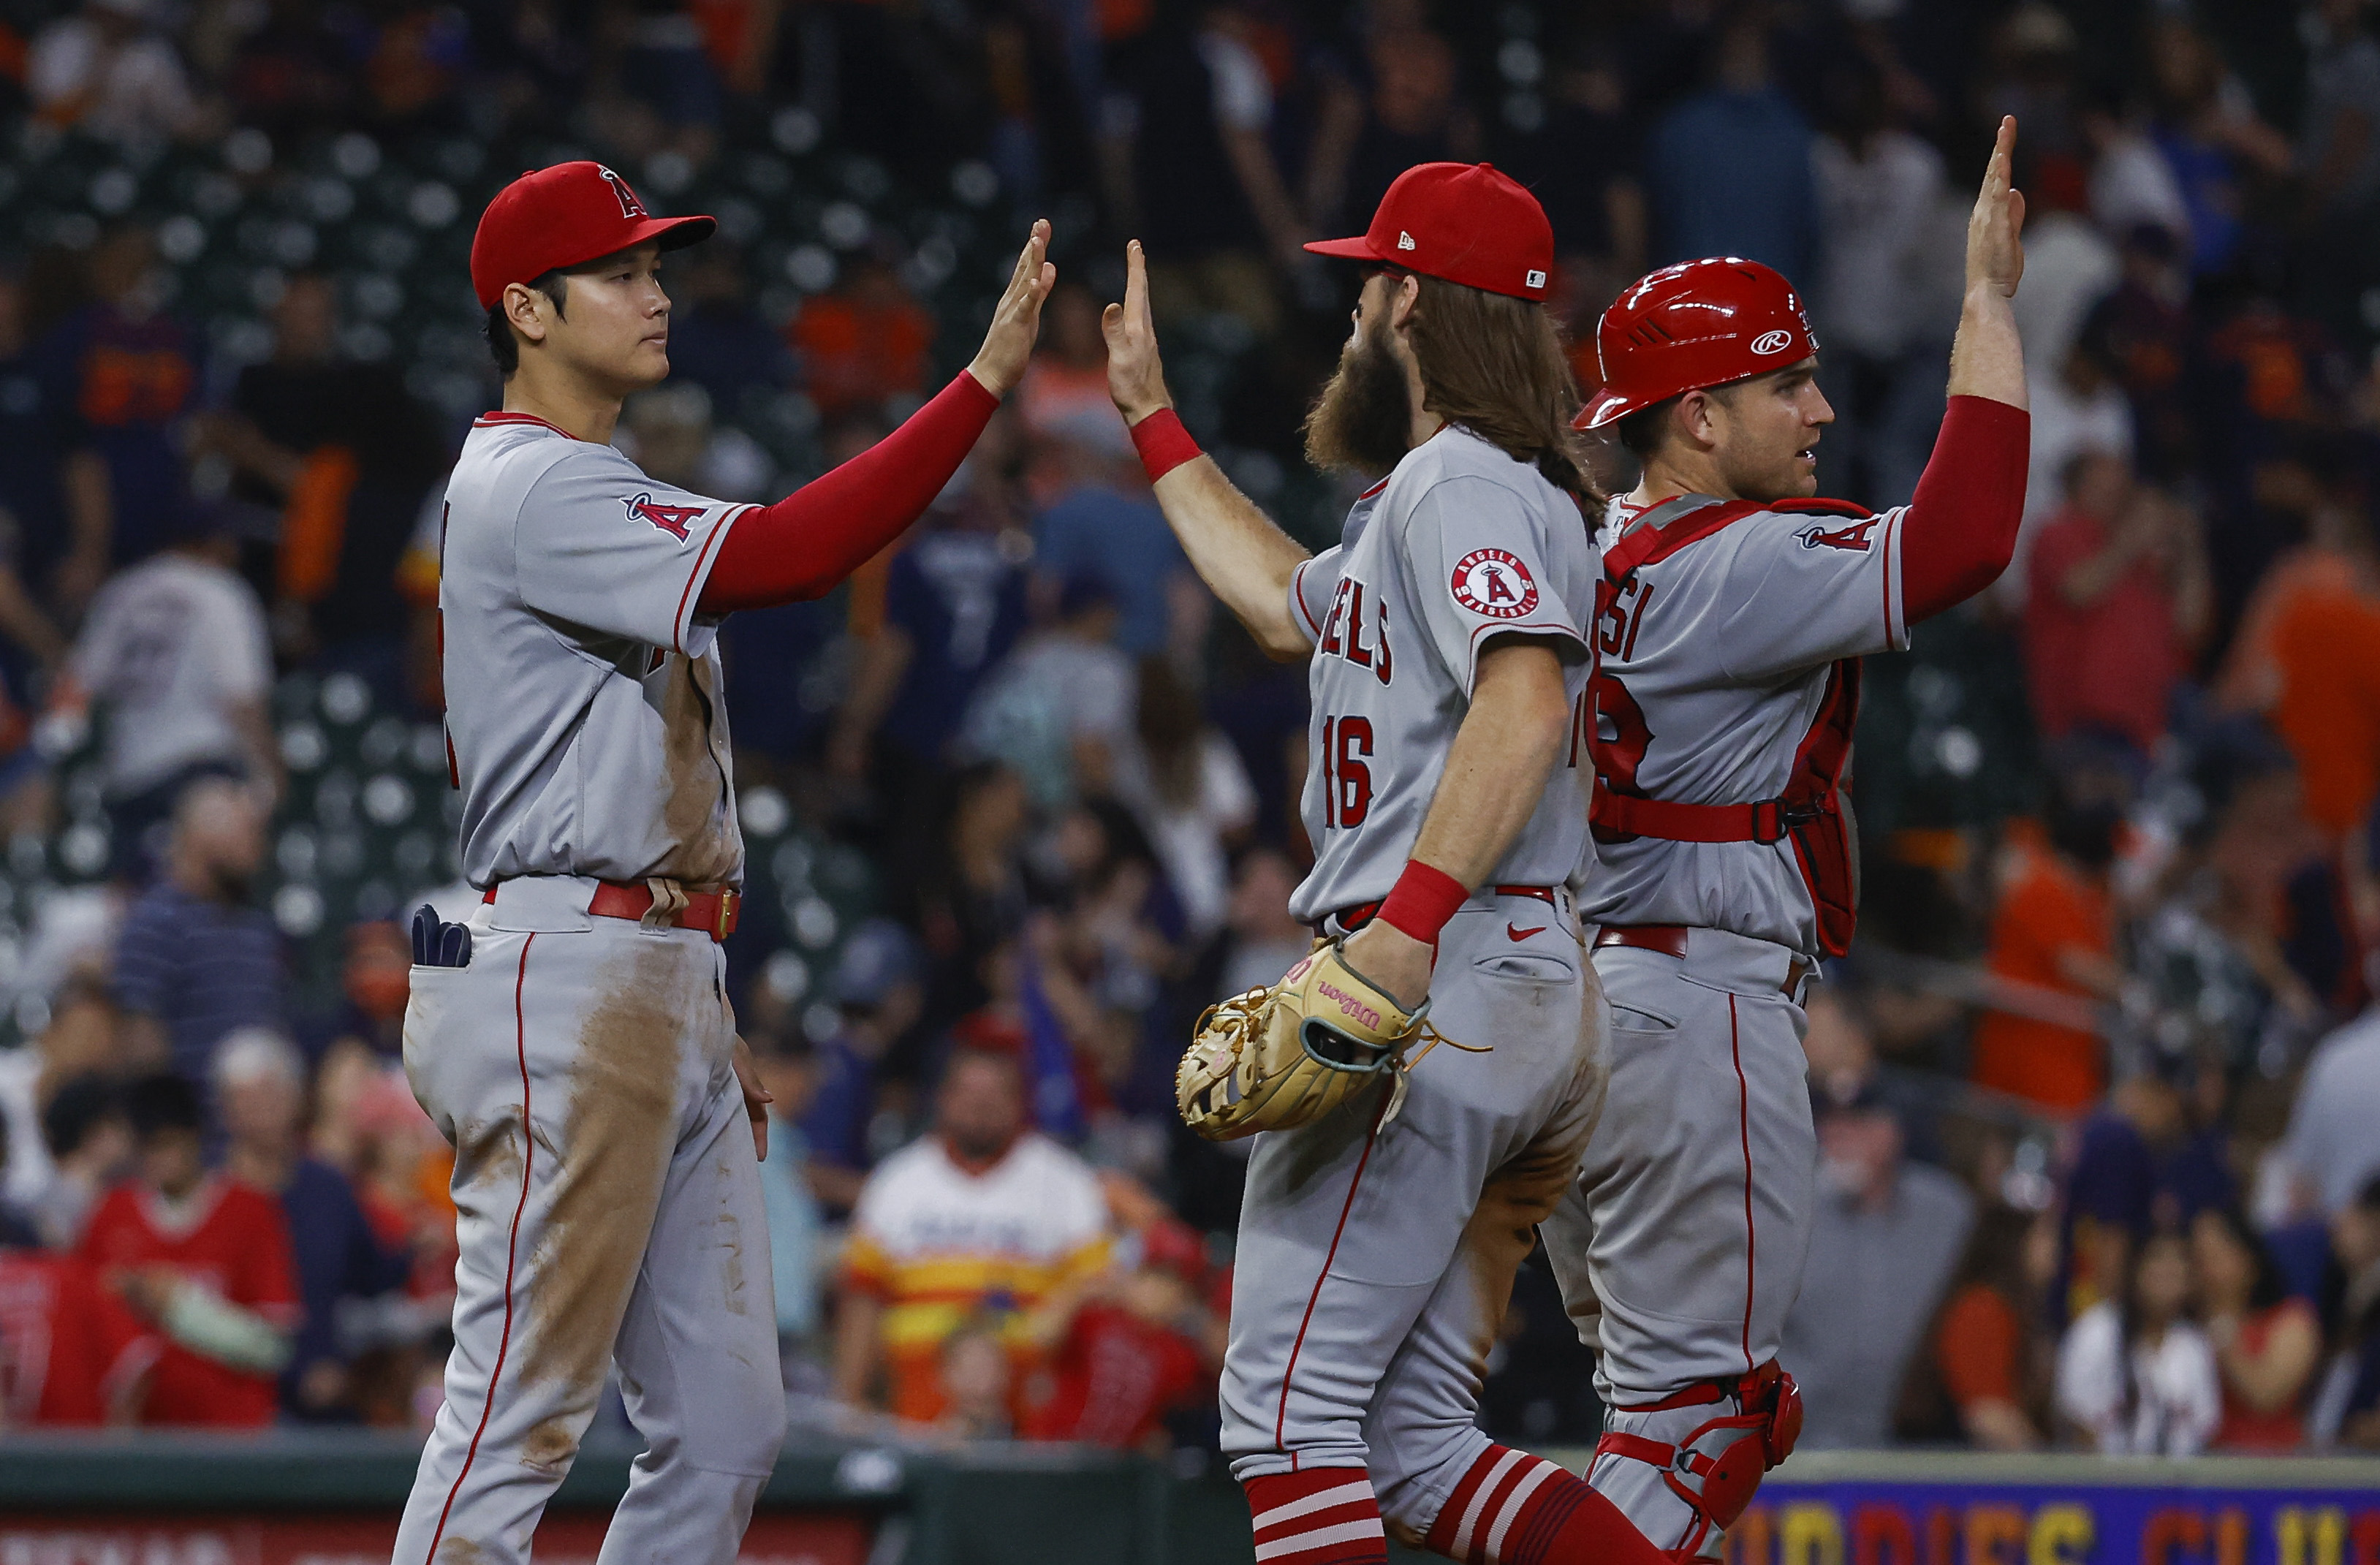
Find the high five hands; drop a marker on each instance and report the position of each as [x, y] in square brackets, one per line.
[1994, 250]
[1008, 344]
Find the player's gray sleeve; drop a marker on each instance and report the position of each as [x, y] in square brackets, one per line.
[1311, 587]
[601, 545]
[1478, 552]
[1810, 590]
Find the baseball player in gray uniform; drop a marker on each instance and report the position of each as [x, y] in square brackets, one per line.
[1444, 798]
[1729, 622]
[573, 1038]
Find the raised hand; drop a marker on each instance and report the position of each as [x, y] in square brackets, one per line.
[1994, 250]
[1008, 344]
[1135, 372]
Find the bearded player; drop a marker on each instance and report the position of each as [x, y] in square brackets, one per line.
[1446, 634]
[574, 1039]
[1730, 623]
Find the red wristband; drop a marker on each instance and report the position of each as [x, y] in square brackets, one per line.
[1163, 443]
[1422, 901]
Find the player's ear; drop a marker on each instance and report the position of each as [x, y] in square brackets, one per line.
[1402, 302]
[522, 307]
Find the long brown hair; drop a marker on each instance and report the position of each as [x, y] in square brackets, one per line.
[1495, 365]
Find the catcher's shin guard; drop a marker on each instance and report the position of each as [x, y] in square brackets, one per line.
[1711, 1462]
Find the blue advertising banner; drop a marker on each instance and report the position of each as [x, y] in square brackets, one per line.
[1921, 1510]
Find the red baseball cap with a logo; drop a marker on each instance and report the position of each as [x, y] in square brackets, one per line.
[1698, 323]
[1462, 222]
[555, 218]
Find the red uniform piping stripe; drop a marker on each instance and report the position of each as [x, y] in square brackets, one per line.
[512, 1250]
[1889, 528]
[677, 632]
[1281, 1417]
[1743, 1122]
[525, 418]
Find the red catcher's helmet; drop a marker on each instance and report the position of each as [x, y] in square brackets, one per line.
[1698, 323]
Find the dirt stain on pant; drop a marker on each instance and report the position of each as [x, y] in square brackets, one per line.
[612, 1159]
[550, 1446]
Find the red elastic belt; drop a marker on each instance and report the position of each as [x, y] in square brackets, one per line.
[1669, 939]
[1353, 919]
[714, 912]
[1769, 820]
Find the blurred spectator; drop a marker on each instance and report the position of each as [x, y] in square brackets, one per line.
[717, 340]
[1061, 706]
[1135, 1346]
[863, 343]
[1192, 170]
[2132, 187]
[2078, 410]
[2119, 599]
[205, 1259]
[119, 374]
[667, 97]
[1069, 418]
[1878, 188]
[2331, 1148]
[796, 1256]
[1107, 528]
[2142, 1168]
[175, 656]
[105, 71]
[1410, 113]
[1885, 1237]
[75, 1356]
[980, 1216]
[195, 960]
[978, 1381]
[2149, 336]
[2307, 650]
[2338, 158]
[31, 506]
[375, 982]
[78, 1040]
[344, 453]
[2267, 1343]
[2346, 1409]
[289, 72]
[970, 893]
[1728, 169]
[90, 1143]
[2135, 1376]
[260, 1091]
[878, 995]
[1992, 1357]
[1185, 784]
[670, 434]
[2054, 931]
[954, 605]
[2209, 130]
[2069, 264]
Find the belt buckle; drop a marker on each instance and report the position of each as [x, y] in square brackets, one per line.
[723, 915]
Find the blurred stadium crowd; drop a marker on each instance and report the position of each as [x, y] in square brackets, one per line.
[2096, 1102]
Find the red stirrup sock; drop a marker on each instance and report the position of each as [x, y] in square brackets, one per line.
[1514, 1508]
[1324, 1516]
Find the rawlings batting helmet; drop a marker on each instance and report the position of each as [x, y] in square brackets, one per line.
[1699, 324]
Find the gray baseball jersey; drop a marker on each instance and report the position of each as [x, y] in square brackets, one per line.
[582, 688]
[1715, 663]
[1459, 544]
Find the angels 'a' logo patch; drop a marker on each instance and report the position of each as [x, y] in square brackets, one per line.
[1852, 536]
[1491, 582]
[672, 519]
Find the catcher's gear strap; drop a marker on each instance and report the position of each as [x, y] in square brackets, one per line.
[1718, 1467]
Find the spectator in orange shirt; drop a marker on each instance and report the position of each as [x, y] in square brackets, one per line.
[2119, 596]
[2055, 932]
[864, 342]
[2307, 654]
[1992, 1350]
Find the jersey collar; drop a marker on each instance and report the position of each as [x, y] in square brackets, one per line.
[503, 418]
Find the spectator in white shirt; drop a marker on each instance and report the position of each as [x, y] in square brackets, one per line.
[2135, 1376]
[106, 71]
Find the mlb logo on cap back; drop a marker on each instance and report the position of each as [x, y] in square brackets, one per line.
[552, 219]
[1461, 221]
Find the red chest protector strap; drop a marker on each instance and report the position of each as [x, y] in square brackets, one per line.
[1811, 795]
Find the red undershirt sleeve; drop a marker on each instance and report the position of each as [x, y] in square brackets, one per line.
[1959, 531]
[807, 543]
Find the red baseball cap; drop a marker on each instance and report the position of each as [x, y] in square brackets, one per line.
[552, 219]
[1462, 222]
[1698, 323]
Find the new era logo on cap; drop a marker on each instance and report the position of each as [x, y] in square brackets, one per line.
[1404, 240]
